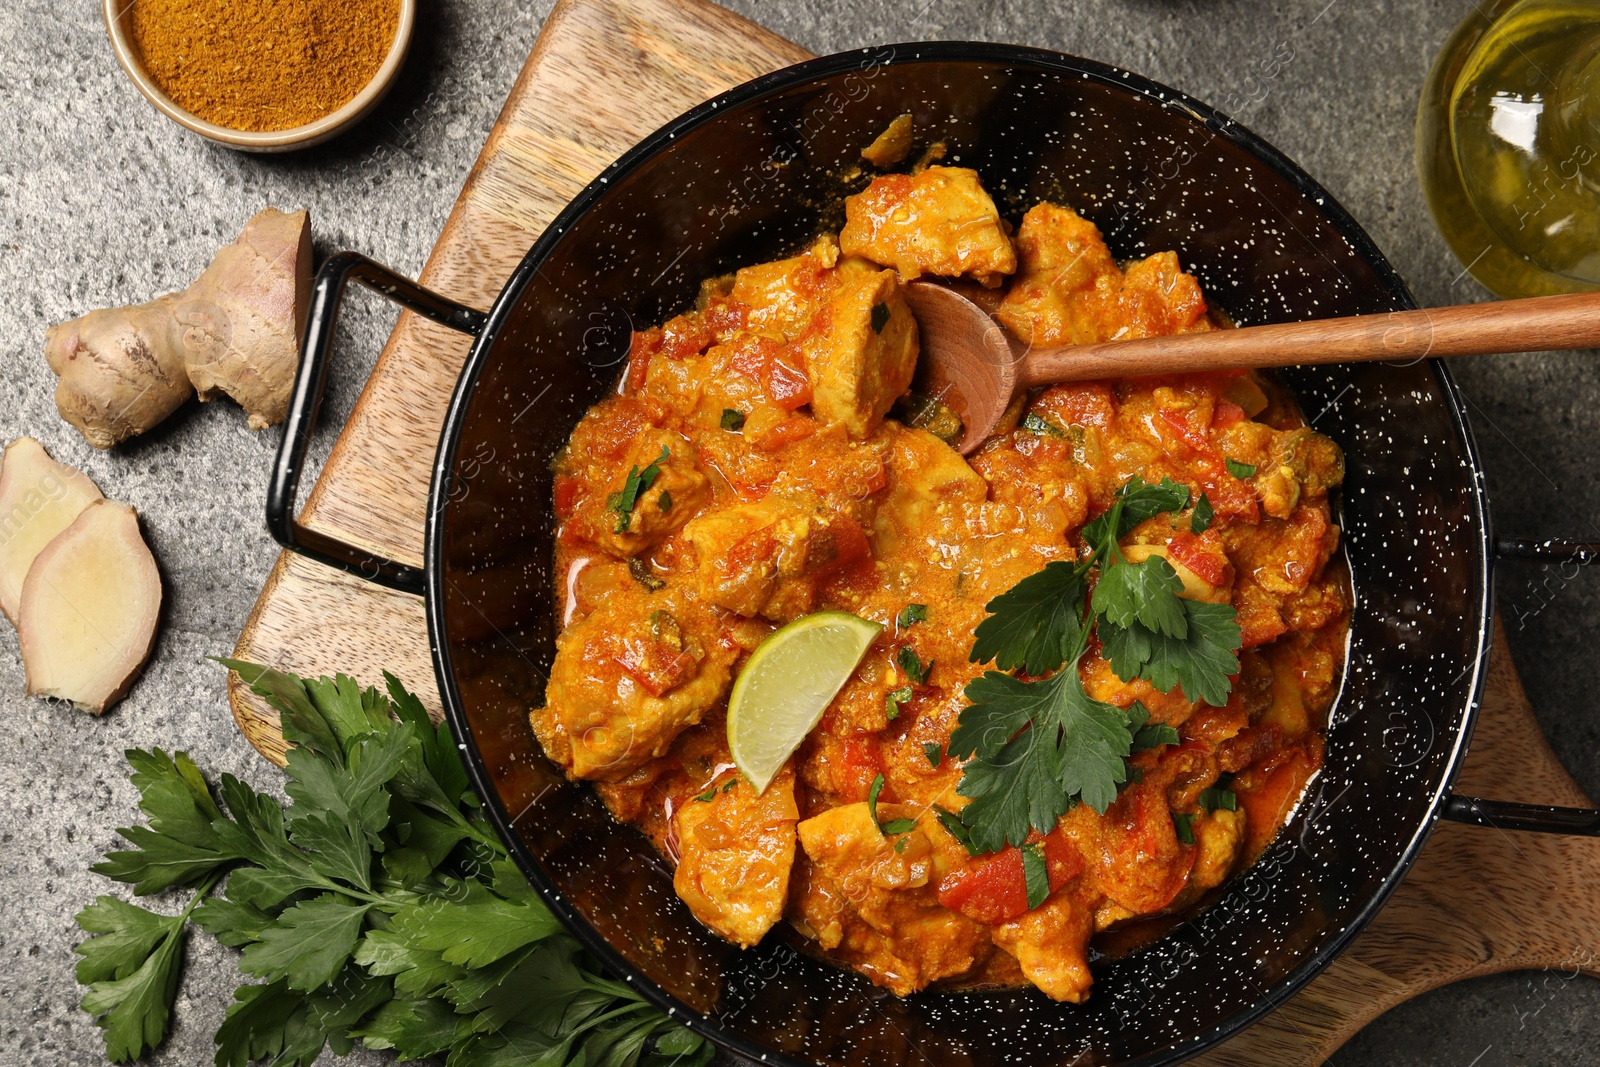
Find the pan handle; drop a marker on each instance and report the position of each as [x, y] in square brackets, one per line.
[310, 381]
[1510, 815]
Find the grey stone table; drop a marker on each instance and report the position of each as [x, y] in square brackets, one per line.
[104, 201]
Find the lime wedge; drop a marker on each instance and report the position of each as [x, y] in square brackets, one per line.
[786, 685]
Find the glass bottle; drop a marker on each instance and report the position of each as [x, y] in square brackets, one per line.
[1508, 145]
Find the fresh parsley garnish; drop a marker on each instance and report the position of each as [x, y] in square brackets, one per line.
[1183, 825]
[910, 615]
[955, 828]
[1034, 623]
[911, 665]
[880, 317]
[1036, 747]
[893, 826]
[1035, 874]
[378, 907]
[1213, 798]
[1041, 426]
[1239, 470]
[638, 481]
[732, 419]
[1200, 518]
[893, 701]
[935, 753]
[664, 501]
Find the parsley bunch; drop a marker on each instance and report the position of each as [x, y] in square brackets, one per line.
[379, 906]
[1039, 745]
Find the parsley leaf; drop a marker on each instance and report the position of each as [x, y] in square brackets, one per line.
[912, 666]
[934, 753]
[880, 317]
[732, 419]
[1146, 593]
[1183, 825]
[1213, 798]
[1042, 427]
[893, 826]
[1035, 874]
[955, 828]
[893, 701]
[1200, 518]
[1154, 735]
[910, 615]
[1241, 471]
[637, 482]
[1203, 663]
[1036, 747]
[664, 501]
[1135, 502]
[379, 906]
[1034, 624]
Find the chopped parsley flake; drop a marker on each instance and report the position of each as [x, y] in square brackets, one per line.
[1239, 470]
[1035, 874]
[911, 614]
[1200, 519]
[880, 317]
[732, 419]
[912, 667]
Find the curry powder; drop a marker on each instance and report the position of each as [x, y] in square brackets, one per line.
[261, 64]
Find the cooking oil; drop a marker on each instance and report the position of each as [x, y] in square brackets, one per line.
[1508, 145]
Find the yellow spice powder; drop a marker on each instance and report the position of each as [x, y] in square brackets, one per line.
[261, 64]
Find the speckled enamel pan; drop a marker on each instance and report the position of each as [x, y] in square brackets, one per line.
[754, 174]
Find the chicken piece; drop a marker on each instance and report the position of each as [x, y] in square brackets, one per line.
[653, 491]
[1158, 299]
[1067, 288]
[940, 221]
[929, 483]
[860, 352]
[735, 850]
[1070, 292]
[768, 556]
[628, 678]
[782, 296]
[869, 898]
[1051, 943]
[1302, 464]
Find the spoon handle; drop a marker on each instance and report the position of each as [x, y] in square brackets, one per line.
[1534, 324]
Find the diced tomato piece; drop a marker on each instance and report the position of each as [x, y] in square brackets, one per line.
[989, 889]
[725, 318]
[1186, 433]
[1227, 414]
[993, 888]
[643, 345]
[858, 766]
[792, 429]
[684, 336]
[1080, 404]
[1204, 556]
[1231, 498]
[788, 387]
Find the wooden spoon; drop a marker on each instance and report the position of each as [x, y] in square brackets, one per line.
[973, 366]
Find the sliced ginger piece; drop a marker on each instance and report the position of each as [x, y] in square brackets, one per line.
[38, 499]
[89, 609]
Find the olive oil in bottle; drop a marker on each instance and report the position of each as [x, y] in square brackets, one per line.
[1508, 145]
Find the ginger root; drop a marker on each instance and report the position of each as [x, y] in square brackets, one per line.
[236, 330]
[89, 609]
[38, 499]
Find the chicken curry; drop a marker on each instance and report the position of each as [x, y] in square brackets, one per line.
[747, 473]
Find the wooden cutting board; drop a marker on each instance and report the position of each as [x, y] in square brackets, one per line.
[603, 74]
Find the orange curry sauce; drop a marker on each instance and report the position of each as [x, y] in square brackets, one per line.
[782, 489]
